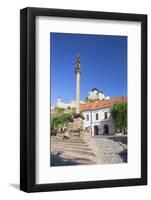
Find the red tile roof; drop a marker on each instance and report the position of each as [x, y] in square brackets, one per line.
[101, 103]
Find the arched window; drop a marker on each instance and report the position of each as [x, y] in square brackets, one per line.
[97, 116]
[87, 116]
[105, 115]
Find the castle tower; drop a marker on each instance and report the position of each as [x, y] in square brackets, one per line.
[77, 72]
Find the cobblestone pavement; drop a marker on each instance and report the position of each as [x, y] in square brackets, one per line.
[110, 151]
[78, 152]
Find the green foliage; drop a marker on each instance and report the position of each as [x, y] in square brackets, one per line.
[69, 108]
[60, 121]
[119, 115]
[59, 110]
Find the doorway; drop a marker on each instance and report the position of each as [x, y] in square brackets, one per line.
[96, 130]
[106, 129]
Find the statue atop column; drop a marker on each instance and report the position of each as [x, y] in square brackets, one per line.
[76, 124]
[77, 67]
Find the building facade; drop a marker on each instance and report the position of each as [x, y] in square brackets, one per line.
[97, 116]
[96, 113]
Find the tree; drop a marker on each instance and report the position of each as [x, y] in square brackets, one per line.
[119, 115]
[59, 110]
[63, 119]
[69, 108]
[59, 121]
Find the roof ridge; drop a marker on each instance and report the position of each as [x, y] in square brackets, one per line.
[101, 103]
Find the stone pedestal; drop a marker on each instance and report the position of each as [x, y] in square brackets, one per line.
[76, 128]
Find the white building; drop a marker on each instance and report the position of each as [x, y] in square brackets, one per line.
[97, 115]
[96, 94]
[96, 112]
[62, 104]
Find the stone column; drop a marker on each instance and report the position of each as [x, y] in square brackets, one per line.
[77, 72]
[78, 93]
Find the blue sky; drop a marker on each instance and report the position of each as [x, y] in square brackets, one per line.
[103, 65]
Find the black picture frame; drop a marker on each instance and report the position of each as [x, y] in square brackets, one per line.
[28, 99]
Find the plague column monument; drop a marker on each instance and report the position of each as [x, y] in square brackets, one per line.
[75, 126]
[77, 72]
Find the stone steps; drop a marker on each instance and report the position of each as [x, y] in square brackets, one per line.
[68, 140]
[78, 151]
[63, 146]
[71, 152]
[69, 145]
[74, 155]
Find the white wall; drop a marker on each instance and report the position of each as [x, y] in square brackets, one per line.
[9, 99]
[87, 123]
[100, 122]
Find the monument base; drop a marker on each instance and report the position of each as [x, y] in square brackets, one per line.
[76, 128]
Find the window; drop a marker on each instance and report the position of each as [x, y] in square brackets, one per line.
[87, 117]
[105, 115]
[96, 116]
